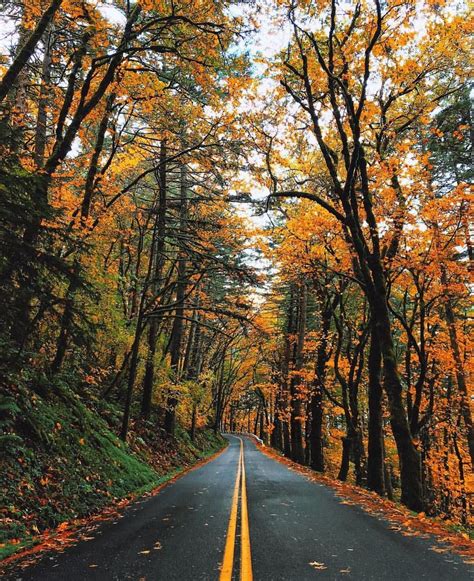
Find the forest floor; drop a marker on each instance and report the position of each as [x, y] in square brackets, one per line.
[61, 463]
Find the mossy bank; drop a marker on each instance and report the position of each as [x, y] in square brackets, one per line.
[61, 460]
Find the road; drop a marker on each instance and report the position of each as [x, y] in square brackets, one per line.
[253, 518]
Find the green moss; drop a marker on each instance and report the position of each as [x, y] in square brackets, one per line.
[61, 460]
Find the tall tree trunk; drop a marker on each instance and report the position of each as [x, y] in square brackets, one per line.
[410, 462]
[296, 422]
[158, 247]
[276, 437]
[286, 439]
[132, 374]
[316, 434]
[219, 398]
[42, 115]
[192, 431]
[177, 329]
[375, 461]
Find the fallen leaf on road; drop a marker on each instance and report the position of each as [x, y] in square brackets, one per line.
[144, 552]
[439, 549]
[318, 566]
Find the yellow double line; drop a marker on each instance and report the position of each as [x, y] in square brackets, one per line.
[245, 554]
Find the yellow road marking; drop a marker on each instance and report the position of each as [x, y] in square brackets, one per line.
[228, 562]
[245, 553]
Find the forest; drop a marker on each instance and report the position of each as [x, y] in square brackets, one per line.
[221, 216]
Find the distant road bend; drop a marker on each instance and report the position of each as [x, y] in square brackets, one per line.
[245, 516]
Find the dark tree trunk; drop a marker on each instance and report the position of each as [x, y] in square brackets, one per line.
[192, 432]
[149, 377]
[375, 461]
[410, 464]
[345, 458]
[296, 422]
[177, 329]
[286, 439]
[276, 437]
[66, 324]
[132, 373]
[316, 405]
[157, 257]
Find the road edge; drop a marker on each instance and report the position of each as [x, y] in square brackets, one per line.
[400, 518]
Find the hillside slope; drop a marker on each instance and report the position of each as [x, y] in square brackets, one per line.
[61, 460]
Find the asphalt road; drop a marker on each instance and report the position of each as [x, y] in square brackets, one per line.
[297, 530]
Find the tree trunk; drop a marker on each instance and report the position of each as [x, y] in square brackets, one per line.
[132, 376]
[193, 423]
[177, 329]
[375, 461]
[157, 257]
[316, 405]
[410, 465]
[345, 458]
[276, 437]
[296, 421]
[286, 439]
[42, 115]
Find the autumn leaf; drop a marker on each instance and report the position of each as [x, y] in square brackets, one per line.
[318, 566]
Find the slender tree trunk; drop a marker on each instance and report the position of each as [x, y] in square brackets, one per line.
[65, 326]
[345, 458]
[132, 373]
[276, 437]
[42, 115]
[262, 433]
[316, 434]
[148, 379]
[157, 256]
[286, 439]
[177, 330]
[193, 422]
[296, 422]
[375, 461]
